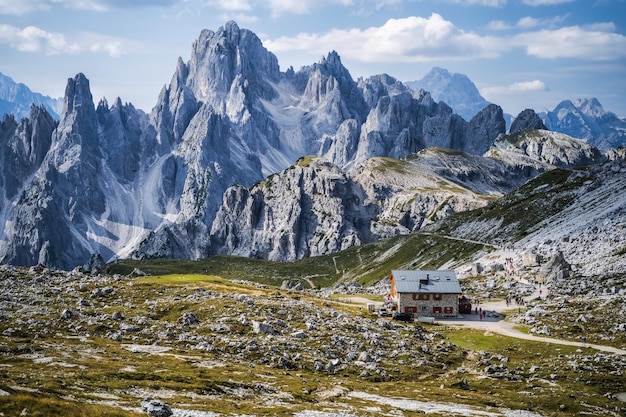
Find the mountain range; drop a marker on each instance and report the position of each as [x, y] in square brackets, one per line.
[239, 157]
[585, 118]
[16, 99]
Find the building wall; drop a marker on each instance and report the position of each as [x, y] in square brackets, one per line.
[447, 306]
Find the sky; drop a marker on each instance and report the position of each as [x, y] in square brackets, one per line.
[519, 53]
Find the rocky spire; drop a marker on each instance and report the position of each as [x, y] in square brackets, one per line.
[484, 128]
[527, 119]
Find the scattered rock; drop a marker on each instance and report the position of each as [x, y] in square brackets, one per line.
[556, 269]
[67, 314]
[156, 408]
[188, 319]
[262, 328]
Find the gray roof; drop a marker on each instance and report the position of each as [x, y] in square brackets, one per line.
[440, 282]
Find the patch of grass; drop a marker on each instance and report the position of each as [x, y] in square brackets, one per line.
[305, 161]
[391, 164]
[519, 212]
[71, 366]
[365, 264]
[43, 405]
[547, 384]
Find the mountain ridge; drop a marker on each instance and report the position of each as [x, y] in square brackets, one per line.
[17, 98]
[119, 182]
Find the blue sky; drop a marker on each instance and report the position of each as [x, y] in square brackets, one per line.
[520, 53]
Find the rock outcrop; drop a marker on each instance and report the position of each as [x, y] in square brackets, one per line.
[535, 151]
[309, 209]
[556, 269]
[527, 120]
[314, 207]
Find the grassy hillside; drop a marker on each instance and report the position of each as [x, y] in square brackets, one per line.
[365, 264]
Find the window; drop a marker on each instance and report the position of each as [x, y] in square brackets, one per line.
[437, 310]
[437, 296]
[423, 307]
[420, 296]
[448, 310]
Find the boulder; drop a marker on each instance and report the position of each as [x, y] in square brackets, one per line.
[556, 269]
[188, 319]
[156, 408]
[292, 285]
[67, 314]
[117, 316]
[95, 264]
[530, 259]
[262, 328]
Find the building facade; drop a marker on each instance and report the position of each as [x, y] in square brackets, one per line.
[426, 293]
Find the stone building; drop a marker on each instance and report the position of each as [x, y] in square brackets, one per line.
[426, 293]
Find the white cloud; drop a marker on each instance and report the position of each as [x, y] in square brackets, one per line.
[498, 25]
[411, 39]
[531, 22]
[239, 17]
[232, 5]
[280, 7]
[13, 7]
[523, 86]
[34, 39]
[590, 43]
[528, 22]
[515, 88]
[20, 7]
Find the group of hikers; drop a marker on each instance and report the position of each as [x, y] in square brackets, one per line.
[518, 301]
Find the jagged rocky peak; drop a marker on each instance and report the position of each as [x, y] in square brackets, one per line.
[120, 128]
[330, 84]
[378, 86]
[230, 56]
[544, 150]
[527, 119]
[36, 132]
[586, 119]
[308, 209]
[77, 95]
[24, 146]
[17, 98]
[590, 107]
[78, 124]
[229, 70]
[484, 128]
[565, 105]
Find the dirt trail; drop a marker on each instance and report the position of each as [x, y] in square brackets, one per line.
[506, 328]
[500, 326]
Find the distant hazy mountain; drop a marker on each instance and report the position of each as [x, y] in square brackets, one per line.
[586, 119]
[16, 99]
[456, 90]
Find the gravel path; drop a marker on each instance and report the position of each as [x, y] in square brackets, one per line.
[506, 328]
